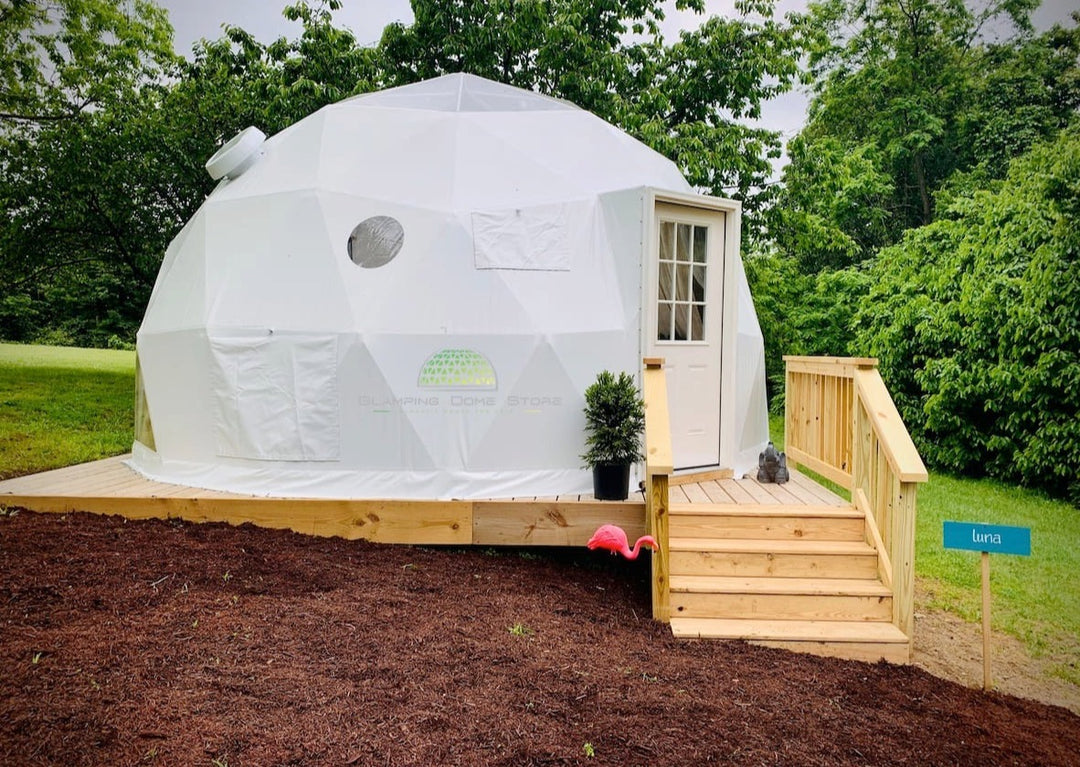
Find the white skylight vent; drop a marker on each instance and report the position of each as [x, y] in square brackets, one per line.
[237, 154]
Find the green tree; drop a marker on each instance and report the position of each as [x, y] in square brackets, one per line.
[802, 314]
[60, 58]
[1027, 92]
[907, 94]
[914, 108]
[832, 210]
[898, 74]
[975, 321]
[72, 75]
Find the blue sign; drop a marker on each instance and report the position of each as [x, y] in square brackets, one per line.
[996, 539]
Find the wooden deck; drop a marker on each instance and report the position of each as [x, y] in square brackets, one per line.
[800, 491]
[110, 487]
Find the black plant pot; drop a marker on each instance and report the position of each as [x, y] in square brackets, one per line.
[611, 481]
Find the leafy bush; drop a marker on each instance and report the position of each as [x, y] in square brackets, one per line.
[55, 337]
[116, 342]
[614, 420]
[976, 321]
[827, 311]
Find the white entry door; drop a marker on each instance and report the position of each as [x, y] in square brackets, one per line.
[684, 325]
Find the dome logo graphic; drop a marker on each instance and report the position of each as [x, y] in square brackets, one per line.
[457, 369]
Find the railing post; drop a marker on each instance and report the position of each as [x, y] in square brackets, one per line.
[903, 561]
[790, 437]
[658, 466]
[661, 568]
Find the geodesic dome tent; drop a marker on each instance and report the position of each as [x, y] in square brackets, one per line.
[405, 295]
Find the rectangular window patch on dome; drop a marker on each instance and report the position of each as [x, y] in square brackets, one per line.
[276, 397]
[535, 238]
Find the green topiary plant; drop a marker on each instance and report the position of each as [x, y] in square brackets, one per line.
[614, 421]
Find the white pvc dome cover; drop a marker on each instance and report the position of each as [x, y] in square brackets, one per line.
[406, 297]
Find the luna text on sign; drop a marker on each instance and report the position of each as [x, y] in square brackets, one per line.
[996, 539]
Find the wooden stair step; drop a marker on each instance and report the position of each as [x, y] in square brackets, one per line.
[714, 584]
[771, 526]
[769, 598]
[780, 510]
[767, 546]
[787, 631]
[856, 640]
[781, 557]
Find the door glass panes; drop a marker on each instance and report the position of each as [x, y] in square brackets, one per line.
[663, 322]
[701, 235]
[667, 265]
[682, 249]
[699, 284]
[697, 322]
[682, 282]
[683, 257]
[682, 322]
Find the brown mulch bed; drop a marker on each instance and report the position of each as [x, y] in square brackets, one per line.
[166, 643]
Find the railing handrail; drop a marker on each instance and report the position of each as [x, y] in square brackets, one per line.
[895, 440]
[798, 363]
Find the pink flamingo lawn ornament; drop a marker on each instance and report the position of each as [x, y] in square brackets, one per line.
[613, 538]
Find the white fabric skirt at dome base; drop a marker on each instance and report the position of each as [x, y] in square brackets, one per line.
[276, 481]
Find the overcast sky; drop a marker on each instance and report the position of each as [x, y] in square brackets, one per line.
[196, 19]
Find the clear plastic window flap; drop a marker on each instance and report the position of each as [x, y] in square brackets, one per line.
[276, 397]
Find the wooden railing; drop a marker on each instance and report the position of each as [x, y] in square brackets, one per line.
[818, 414]
[658, 469]
[841, 422]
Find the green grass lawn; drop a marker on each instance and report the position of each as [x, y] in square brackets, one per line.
[1036, 598]
[60, 406]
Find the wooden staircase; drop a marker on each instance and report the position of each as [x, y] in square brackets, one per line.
[799, 577]
[793, 565]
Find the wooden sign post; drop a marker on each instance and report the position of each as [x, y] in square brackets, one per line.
[999, 539]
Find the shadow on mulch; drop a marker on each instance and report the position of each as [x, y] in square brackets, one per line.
[174, 644]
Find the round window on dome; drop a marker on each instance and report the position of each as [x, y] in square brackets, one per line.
[375, 241]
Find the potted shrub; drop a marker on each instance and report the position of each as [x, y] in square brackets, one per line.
[614, 420]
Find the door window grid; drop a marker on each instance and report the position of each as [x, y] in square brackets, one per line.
[680, 309]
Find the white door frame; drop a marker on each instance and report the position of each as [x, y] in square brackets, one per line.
[732, 245]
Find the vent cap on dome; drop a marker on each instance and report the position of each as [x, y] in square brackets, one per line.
[237, 154]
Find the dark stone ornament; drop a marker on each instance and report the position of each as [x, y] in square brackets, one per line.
[772, 466]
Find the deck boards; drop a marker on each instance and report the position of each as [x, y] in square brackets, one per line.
[111, 477]
[109, 486]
